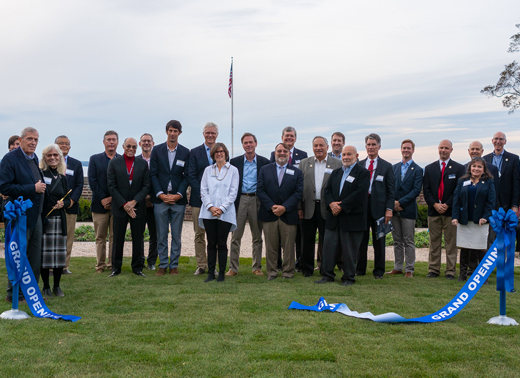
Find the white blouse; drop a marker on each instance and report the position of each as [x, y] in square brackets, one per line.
[219, 189]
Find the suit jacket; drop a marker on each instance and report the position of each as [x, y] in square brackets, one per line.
[307, 166]
[198, 161]
[288, 194]
[298, 156]
[494, 172]
[407, 189]
[97, 180]
[484, 201]
[383, 187]
[122, 191]
[161, 174]
[432, 180]
[17, 179]
[75, 182]
[238, 162]
[508, 180]
[353, 197]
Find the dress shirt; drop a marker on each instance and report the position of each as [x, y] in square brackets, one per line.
[497, 160]
[346, 172]
[335, 156]
[446, 162]
[319, 173]
[171, 158]
[367, 164]
[148, 161]
[280, 167]
[250, 176]
[31, 157]
[404, 167]
[208, 150]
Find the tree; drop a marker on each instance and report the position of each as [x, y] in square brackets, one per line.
[508, 85]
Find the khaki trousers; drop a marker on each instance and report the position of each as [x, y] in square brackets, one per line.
[102, 224]
[273, 232]
[71, 228]
[200, 240]
[247, 211]
[438, 225]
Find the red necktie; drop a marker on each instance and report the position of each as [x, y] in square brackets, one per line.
[290, 157]
[441, 185]
[371, 168]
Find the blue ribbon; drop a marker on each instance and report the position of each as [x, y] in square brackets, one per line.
[504, 224]
[18, 268]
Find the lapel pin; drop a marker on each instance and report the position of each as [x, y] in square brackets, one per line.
[507, 159]
[449, 167]
[310, 165]
[412, 168]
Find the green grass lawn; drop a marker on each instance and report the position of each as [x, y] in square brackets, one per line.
[180, 326]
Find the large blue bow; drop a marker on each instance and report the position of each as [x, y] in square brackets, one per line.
[13, 210]
[504, 225]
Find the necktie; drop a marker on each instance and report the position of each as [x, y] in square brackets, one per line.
[441, 185]
[371, 168]
[290, 157]
[280, 177]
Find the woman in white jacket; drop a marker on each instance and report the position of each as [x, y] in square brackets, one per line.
[218, 190]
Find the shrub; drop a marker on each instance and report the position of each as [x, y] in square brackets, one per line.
[422, 216]
[85, 215]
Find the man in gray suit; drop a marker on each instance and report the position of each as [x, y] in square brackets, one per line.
[128, 181]
[316, 172]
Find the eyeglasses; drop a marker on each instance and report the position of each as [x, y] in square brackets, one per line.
[219, 152]
[133, 147]
[53, 155]
[63, 144]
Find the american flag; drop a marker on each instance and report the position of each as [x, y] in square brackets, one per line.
[230, 86]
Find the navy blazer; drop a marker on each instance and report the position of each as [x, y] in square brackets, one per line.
[161, 174]
[432, 180]
[288, 194]
[299, 155]
[97, 180]
[484, 201]
[353, 197]
[508, 180]
[383, 187]
[122, 191]
[238, 162]
[16, 179]
[75, 181]
[494, 172]
[198, 162]
[407, 190]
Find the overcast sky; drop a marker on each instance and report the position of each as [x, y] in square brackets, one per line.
[403, 69]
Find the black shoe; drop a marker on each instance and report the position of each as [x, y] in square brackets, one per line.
[57, 292]
[270, 278]
[140, 274]
[450, 277]
[323, 280]
[307, 274]
[115, 272]
[347, 283]
[298, 270]
[220, 277]
[378, 277]
[359, 273]
[462, 278]
[432, 275]
[211, 277]
[47, 292]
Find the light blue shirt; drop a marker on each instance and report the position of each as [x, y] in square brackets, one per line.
[250, 176]
[404, 168]
[280, 168]
[208, 150]
[497, 160]
[346, 172]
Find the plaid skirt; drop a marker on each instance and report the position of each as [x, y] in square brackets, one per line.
[54, 245]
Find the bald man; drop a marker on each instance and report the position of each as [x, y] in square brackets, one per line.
[440, 181]
[346, 202]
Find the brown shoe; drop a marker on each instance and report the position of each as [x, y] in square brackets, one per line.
[160, 272]
[394, 272]
[258, 272]
[408, 274]
[230, 273]
[174, 271]
[100, 270]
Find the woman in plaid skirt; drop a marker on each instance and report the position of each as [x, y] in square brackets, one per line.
[54, 242]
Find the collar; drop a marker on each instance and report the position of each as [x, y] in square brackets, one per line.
[447, 162]
[350, 168]
[375, 159]
[408, 163]
[253, 161]
[281, 166]
[31, 157]
[168, 148]
[324, 160]
[129, 158]
[205, 147]
[500, 154]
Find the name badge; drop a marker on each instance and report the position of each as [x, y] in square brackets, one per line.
[328, 170]
[70, 172]
[380, 178]
[451, 177]
[47, 180]
[289, 172]
[180, 163]
[297, 161]
[350, 179]
[467, 183]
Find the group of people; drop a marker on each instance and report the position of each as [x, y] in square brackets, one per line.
[290, 198]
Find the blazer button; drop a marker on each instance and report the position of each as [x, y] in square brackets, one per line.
[475, 206]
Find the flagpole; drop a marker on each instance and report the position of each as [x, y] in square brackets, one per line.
[231, 83]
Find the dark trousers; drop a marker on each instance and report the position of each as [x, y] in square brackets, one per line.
[349, 242]
[379, 247]
[152, 230]
[217, 232]
[34, 253]
[137, 230]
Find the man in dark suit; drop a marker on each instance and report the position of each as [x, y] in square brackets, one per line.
[128, 184]
[440, 181]
[101, 200]
[346, 200]
[199, 159]
[247, 204]
[168, 166]
[20, 175]
[408, 184]
[380, 204]
[146, 143]
[280, 187]
[337, 142]
[295, 157]
[316, 171]
[76, 181]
